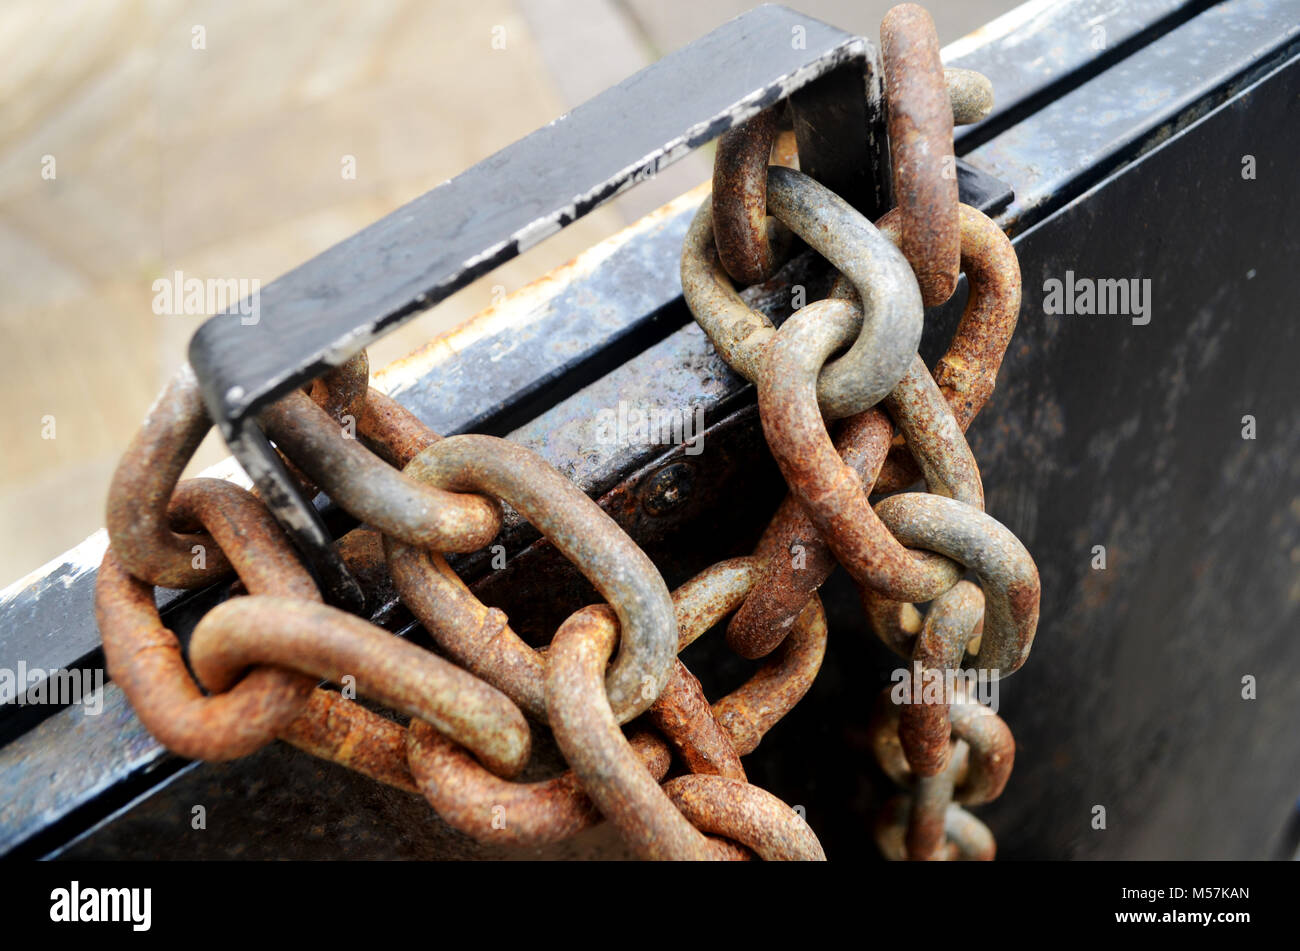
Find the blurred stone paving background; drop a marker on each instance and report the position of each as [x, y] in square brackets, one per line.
[142, 138]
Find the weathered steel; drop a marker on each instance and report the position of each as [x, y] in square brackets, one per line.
[746, 814]
[586, 731]
[578, 528]
[330, 644]
[327, 310]
[1113, 478]
[144, 658]
[887, 327]
[829, 490]
[920, 150]
[968, 370]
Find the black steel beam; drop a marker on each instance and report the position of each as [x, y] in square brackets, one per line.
[329, 309]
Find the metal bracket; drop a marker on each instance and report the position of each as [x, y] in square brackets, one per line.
[328, 309]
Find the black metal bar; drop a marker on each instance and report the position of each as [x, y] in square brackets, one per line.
[848, 97]
[329, 309]
[1073, 142]
[1037, 53]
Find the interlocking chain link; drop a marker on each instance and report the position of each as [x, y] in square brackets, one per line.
[908, 548]
[646, 748]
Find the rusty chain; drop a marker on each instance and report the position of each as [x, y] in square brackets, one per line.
[646, 748]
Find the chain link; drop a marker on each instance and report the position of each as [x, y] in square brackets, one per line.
[419, 496]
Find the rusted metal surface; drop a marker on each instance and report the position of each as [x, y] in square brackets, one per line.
[683, 715]
[934, 437]
[748, 241]
[931, 797]
[335, 729]
[434, 505]
[795, 559]
[578, 528]
[710, 596]
[144, 658]
[448, 498]
[920, 149]
[342, 391]
[829, 490]
[589, 736]
[890, 326]
[392, 431]
[926, 823]
[967, 839]
[1039, 418]
[142, 488]
[496, 811]
[749, 711]
[923, 724]
[371, 490]
[328, 643]
[887, 332]
[1004, 568]
[992, 750]
[472, 633]
[895, 623]
[970, 94]
[967, 372]
[745, 814]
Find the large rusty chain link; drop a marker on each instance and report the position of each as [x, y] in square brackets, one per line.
[909, 548]
[646, 749]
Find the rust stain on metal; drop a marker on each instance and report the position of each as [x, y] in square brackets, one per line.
[370, 489]
[749, 243]
[1005, 569]
[590, 739]
[494, 810]
[992, 749]
[142, 487]
[748, 712]
[795, 560]
[336, 729]
[144, 658]
[341, 392]
[683, 715]
[923, 725]
[328, 643]
[587, 536]
[392, 431]
[745, 814]
[885, 329]
[967, 373]
[829, 490]
[473, 634]
[920, 149]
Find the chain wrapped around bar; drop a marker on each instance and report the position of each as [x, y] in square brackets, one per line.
[828, 518]
[260, 654]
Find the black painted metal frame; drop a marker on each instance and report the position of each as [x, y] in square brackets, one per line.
[329, 309]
